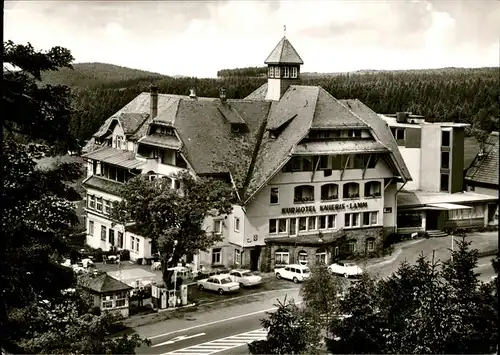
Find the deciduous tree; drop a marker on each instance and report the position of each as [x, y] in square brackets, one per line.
[168, 216]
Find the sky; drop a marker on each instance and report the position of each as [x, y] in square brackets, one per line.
[198, 38]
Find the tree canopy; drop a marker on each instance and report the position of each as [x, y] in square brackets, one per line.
[36, 315]
[167, 216]
[429, 307]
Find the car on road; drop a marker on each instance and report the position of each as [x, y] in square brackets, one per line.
[295, 272]
[348, 269]
[219, 283]
[245, 278]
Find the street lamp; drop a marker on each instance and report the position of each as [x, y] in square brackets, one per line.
[175, 273]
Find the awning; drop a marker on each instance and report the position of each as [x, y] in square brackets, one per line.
[450, 206]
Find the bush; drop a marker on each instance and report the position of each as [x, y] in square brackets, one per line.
[139, 261]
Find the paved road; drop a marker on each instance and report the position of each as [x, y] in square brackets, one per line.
[227, 331]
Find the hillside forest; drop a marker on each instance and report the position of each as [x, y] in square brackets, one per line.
[450, 94]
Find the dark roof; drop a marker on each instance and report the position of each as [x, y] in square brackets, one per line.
[102, 184]
[208, 143]
[258, 94]
[232, 116]
[284, 53]
[382, 132]
[122, 158]
[305, 107]
[161, 140]
[330, 113]
[132, 121]
[484, 169]
[103, 283]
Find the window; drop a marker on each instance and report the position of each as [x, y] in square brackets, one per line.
[351, 246]
[445, 160]
[270, 72]
[302, 257]
[237, 256]
[274, 198]
[400, 134]
[351, 190]
[282, 225]
[302, 223]
[103, 233]
[236, 224]
[277, 225]
[302, 163]
[331, 221]
[107, 302]
[329, 192]
[321, 257]
[132, 243]
[218, 226]
[119, 142]
[323, 162]
[121, 299]
[111, 237]
[91, 201]
[276, 72]
[370, 218]
[373, 189]
[216, 256]
[303, 193]
[445, 138]
[286, 72]
[445, 182]
[322, 222]
[137, 240]
[351, 220]
[120, 240]
[107, 207]
[370, 245]
[312, 223]
[294, 72]
[99, 204]
[281, 257]
[336, 251]
[91, 228]
[293, 226]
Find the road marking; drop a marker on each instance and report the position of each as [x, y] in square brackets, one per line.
[215, 322]
[223, 344]
[179, 338]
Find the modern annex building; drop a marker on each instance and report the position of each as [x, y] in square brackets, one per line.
[436, 200]
[316, 176]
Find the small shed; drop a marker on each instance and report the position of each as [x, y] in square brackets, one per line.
[109, 294]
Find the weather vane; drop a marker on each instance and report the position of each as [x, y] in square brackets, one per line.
[284, 30]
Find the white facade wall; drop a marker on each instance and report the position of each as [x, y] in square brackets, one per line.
[259, 211]
[412, 158]
[100, 219]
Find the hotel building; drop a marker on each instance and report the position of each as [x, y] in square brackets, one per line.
[436, 200]
[317, 178]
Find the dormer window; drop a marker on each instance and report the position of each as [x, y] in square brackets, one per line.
[286, 72]
[235, 128]
[294, 72]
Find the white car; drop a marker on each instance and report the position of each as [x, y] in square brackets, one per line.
[219, 283]
[245, 278]
[348, 269]
[295, 272]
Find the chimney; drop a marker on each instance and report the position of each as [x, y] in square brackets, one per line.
[401, 117]
[153, 101]
[222, 95]
[192, 94]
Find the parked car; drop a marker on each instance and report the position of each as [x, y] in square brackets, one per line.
[219, 283]
[348, 269]
[245, 278]
[295, 272]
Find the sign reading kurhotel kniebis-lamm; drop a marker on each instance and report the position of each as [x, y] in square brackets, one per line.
[330, 207]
